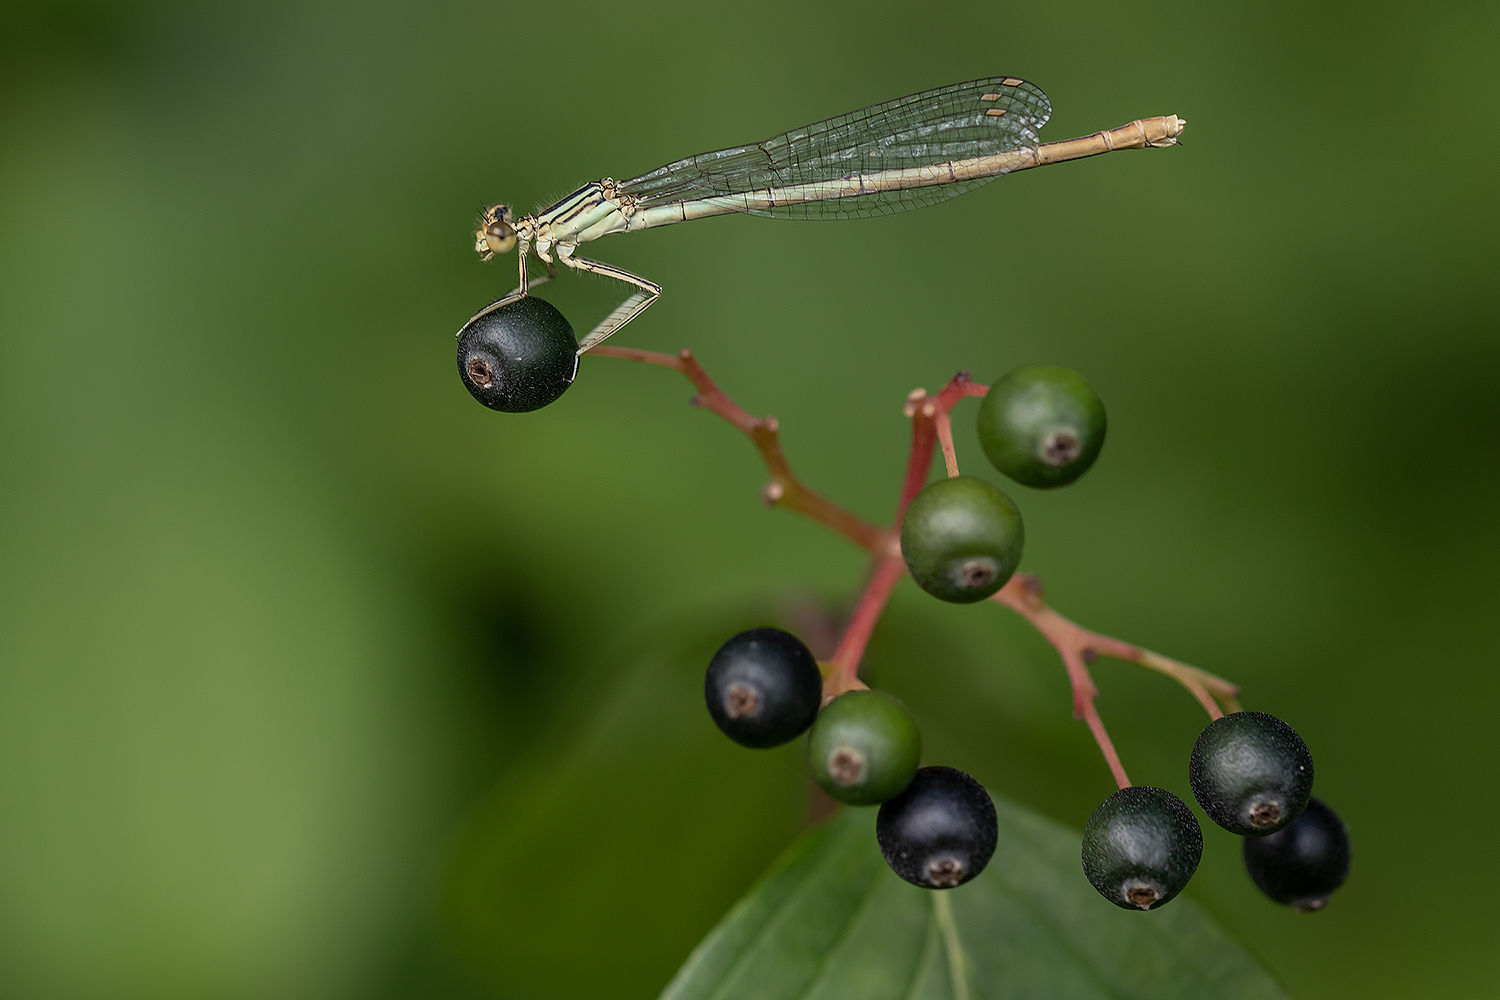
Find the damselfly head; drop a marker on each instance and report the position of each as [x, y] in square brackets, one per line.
[496, 232]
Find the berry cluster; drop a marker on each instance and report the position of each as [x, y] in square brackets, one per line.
[961, 539]
[1252, 774]
[936, 826]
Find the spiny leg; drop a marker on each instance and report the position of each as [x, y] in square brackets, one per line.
[528, 282]
[520, 291]
[625, 311]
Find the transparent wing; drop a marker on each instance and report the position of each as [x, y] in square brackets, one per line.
[960, 121]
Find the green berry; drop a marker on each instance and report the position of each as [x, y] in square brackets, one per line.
[1303, 864]
[941, 831]
[763, 688]
[864, 748]
[1042, 425]
[519, 357]
[1140, 847]
[961, 539]
[1251, 773]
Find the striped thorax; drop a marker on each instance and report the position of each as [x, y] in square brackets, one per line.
[592, 211]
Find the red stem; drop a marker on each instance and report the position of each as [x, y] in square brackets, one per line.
[926, 416]
[945, 438]
[1076, 646]
[931, 425]
[784, 489]
[844, 675]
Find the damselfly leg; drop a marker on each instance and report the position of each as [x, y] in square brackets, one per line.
[625, 311]
[521, 290]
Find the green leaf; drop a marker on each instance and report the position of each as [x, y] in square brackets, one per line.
[626, 830]
[830, 920]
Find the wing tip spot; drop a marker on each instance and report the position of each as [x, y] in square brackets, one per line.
[994, 112]
[1012, 81]
[990, 97]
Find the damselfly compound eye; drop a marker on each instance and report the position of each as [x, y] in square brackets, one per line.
[496, 235]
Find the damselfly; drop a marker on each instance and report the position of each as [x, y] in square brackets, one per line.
[907, 153]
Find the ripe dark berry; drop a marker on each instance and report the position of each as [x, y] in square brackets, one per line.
[961, 539]
[519, 357]
[1140, 847]
[1303, 864]
[941, 831]
[1251, 773]
[1042, 425]
[763, 687]
[864, 748]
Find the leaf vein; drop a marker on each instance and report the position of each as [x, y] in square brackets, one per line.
[924, 960]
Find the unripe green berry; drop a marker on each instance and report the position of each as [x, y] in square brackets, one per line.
[1140, 847]
[1042, 425]
[961, 539]
[519, 357]
[1251, 773]
[864, 748]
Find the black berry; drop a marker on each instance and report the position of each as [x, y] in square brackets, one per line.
[941, 831]
[864, 748]
[519, 357]
[1140, 847]
[1303, 864]
[1042, 425]
[763, 687]
[1251, 773]
[961, 539]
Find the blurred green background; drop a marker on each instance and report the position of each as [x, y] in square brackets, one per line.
[319, 680]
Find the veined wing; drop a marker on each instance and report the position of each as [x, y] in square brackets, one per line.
[960, 121]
